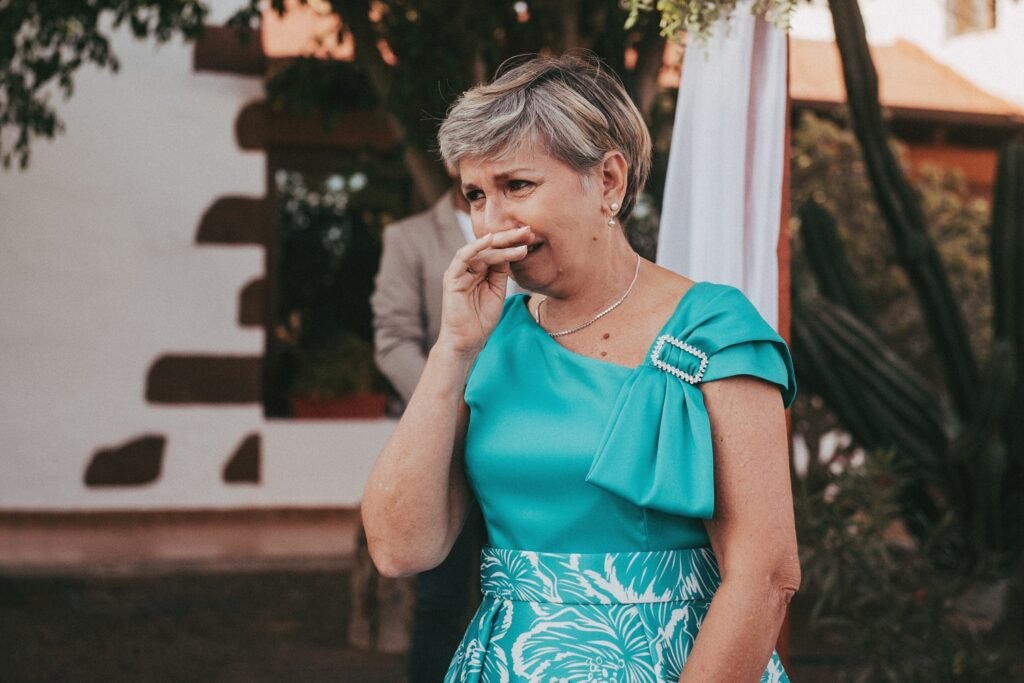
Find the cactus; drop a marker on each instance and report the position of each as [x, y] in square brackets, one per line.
[1007, 255]
[902, 210]
[832, 272]
[880, 399]
[977, 464]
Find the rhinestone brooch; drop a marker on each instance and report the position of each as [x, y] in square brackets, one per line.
[673, 370]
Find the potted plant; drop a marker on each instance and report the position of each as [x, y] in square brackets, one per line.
[338, 379]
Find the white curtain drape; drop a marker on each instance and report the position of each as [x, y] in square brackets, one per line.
[723, 193]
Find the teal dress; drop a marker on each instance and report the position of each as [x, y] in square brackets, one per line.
[593, 479]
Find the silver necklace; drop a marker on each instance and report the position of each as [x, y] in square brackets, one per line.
[599, 315]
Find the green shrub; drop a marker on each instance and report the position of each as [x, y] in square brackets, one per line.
[879, 590]
[340, 367]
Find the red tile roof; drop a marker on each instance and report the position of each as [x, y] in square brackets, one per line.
[910, 81]
[908, 78]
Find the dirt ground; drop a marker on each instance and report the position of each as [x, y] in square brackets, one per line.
[196, 627]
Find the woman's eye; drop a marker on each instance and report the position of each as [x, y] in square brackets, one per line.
[517, 185]
[473, 195]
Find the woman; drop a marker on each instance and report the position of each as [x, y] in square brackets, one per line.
[622, 429]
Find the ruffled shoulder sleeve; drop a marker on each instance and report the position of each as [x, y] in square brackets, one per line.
[656, 450]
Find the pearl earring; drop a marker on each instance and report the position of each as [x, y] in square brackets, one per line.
[614, 207]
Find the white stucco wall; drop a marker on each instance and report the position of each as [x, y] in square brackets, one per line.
[100, 275]
[991, 59]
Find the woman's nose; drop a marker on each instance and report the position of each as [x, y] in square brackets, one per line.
[494, 218]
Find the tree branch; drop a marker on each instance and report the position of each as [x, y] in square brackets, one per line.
[650, 51]
[427, 176]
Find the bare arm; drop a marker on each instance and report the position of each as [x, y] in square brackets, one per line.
[398, 331]
[417, 497]
[752, 533]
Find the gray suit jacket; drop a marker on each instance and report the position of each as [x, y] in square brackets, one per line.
[406, 300]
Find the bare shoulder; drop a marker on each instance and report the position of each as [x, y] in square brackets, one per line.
[658, 294]
[664, 289]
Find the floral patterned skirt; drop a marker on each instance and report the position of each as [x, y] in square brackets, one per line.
[626, 616]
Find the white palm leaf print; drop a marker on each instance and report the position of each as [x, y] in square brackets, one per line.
[626, 577]
[707, 575]
[628, 617]
[605, 644]
[515, 572]
[693, 575]
[615, 583]
[478, 657]
[676, 625]
[774, 673]
[475, 663]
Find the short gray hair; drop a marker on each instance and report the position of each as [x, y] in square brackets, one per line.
[577, 108]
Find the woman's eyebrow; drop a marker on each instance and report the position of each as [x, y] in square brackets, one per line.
[506, 174]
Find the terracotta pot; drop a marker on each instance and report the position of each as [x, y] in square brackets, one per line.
[360, 406]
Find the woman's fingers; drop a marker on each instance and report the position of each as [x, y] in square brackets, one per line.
[509, 238]
[467, 253]
[503, 238]
[475, 283]
[491, 250]
[493, 257]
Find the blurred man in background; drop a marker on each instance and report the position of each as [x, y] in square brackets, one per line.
[407, 319]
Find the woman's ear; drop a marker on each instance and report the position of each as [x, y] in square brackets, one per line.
[614, 177]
